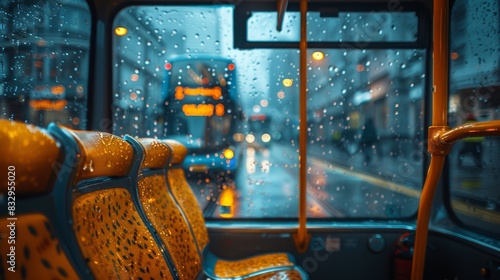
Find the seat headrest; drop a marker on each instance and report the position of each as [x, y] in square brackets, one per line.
[179, 151]
[102, 154]
[29, 158]
[156, 153]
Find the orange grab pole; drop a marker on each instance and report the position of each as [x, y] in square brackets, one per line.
[440, 143]
[439, 124]
[424, 211]
[441, 137]
[302, 238]
[488, 128]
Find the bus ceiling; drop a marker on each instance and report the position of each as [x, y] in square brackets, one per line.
[278, 24]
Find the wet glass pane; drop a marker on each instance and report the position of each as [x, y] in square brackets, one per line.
[339, 27]
[475, 96]
[365, 129]
[44, 61]
[176, 75]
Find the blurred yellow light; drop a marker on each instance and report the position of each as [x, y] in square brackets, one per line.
[287, 82]
[317, 55]
[228, 153]
[219, 110]
[250, 138]
[205, 110]
[226, 203]
[121, 31]
[57, 90]
[238, 137]
[48, 105]
[266, 137]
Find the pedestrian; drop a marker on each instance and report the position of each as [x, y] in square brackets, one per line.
[368, 140]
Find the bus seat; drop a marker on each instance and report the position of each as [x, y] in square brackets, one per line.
[28, 158]
[32, 153]
[37, 250]
[213, 266]
[184, 195]
[163, 212]
[110, 231]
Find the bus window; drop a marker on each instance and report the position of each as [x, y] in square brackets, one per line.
[45, 62]
[475, 96]
[167, 71]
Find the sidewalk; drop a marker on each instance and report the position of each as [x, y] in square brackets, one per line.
[400, 169]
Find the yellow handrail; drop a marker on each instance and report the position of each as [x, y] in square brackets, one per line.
[441, 137]
[302, 238]
[488, 128]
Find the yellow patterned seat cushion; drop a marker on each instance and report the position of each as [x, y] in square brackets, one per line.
[169, 223]
[187, 201]
[112, 235]
[37, 251]
[248, 266]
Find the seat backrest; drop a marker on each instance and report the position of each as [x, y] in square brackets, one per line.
[163, 212]
[29, 246]
[183, 193]
[111, 233]
[28, 153]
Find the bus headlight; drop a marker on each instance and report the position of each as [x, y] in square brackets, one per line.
[228, 153]
[250, 138]
[266, 137]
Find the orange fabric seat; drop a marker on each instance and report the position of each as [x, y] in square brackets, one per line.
[162, 211]
[110, 231]
[214, 267]
[92, 204]
[30, 246]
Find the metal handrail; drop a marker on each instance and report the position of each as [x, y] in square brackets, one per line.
[441, 137]
[302, 238]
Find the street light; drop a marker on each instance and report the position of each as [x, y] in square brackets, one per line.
[317, 55]
[121, 31]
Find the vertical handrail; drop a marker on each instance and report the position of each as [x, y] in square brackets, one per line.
[439, 124]
[302, 238]
[440, 63]
[441, 137]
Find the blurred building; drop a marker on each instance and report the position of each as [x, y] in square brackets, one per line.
[45, 61]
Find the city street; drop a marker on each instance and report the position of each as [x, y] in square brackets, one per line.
[339, 185]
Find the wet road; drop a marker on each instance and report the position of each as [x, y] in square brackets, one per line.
[266, 186]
